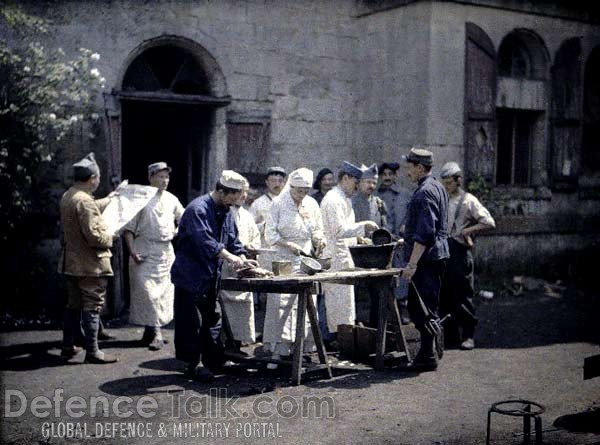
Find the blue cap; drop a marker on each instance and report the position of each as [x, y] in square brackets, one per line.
[351, 170]
[369, 172]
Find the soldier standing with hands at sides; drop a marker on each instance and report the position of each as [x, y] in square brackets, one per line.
[208, 236]
[425, 252]
[85, 260]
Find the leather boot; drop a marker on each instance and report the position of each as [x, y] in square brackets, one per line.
[91, 324]
[71, 326]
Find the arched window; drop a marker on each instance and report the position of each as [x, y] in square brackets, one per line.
[166, 68]
[591, 113]
[514, 59]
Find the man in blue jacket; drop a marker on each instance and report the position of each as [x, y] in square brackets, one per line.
[425, 252]
[207, 237]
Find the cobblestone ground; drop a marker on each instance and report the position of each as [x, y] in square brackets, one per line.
[529, 346]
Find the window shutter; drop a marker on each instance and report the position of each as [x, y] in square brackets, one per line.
[480, 102]
[565, 118]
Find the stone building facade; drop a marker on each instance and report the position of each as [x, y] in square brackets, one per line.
[509, 89]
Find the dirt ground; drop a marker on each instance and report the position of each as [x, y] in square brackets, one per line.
[529, 346]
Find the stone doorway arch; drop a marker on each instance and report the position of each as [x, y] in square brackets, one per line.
[169, 104]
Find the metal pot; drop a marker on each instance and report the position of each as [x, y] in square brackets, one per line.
[373, 257]
[310, 266]
[381, 236]
[325, 263]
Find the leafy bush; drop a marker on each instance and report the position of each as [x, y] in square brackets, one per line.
[43, 95]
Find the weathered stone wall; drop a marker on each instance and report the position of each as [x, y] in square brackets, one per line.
[295, 60]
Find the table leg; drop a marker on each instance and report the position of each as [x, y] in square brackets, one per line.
[299, 342]
[400, 338]
[381, 324]
[314, 325]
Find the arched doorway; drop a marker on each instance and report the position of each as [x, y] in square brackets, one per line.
[168, 114]
[167, 106]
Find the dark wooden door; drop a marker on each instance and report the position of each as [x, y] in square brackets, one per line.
[480, 103]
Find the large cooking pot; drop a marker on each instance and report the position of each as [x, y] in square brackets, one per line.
[372, 257]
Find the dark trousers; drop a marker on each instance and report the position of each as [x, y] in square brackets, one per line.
[457, 290]
[428, 281]
[198, 329]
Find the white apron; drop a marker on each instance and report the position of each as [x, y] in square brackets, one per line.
[239, 306]
[341, 231]
[152, 292]
[288, 223]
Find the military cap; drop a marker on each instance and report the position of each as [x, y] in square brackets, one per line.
[351, 170]
[157, 167]
[393, 166]
[86, 167]
[450, 169]
[369, 172]
[276, 171]
[232, 180]
[420, 156]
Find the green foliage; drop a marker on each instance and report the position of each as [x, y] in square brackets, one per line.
[479, 187]
[43, 95]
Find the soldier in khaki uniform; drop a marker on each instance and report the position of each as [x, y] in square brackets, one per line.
[85, 259]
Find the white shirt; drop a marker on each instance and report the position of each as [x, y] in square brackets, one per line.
[156, 221]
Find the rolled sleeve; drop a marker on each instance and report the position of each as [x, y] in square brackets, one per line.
[481, 214]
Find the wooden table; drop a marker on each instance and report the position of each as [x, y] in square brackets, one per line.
[305, 285]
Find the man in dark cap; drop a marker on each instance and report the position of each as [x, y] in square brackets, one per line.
[425, 253]
[396, 199]
[368, 207]
[85, 260]
[323, 183]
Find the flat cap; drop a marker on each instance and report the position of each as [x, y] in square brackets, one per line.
[369, 172]
[393, 166]
[450, 169]
[158, 166]
[351, 170]
[276, 171]
[86, 167]
[420, 156]
[232, 180]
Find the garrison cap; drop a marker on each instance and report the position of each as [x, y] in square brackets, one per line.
[86, 167]
[351, 170]
[369, 172]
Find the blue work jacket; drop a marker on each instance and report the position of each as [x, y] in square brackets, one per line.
[427, 220]
[205, 229]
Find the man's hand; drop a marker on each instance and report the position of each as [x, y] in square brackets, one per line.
[295, 248]
[370, 226]
[409, 271]
[236, 262]
[319, 247]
